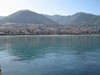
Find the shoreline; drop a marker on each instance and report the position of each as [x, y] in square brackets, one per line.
[56, 35]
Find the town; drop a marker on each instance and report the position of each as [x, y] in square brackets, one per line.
[66, 30]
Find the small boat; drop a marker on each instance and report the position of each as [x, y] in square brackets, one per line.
[0, 69]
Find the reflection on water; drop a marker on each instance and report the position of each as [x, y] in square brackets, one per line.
[50, 55]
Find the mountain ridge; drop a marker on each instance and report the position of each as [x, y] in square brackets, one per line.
[30, 17]
[27, 17]
[79, 18]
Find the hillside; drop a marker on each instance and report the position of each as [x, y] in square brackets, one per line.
[27, 17]
[77, 19]
[58, 18]
[1, 17]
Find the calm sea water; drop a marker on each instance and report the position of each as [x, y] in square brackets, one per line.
[50, 55]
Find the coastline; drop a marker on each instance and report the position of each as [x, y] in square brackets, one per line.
[53, 35]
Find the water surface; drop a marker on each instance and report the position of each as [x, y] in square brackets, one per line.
[50, 55]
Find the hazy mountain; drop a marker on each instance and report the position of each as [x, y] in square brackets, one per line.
[58, 18]
[27, 17]
[1, 17]
[24, 17]
[77, 19]
[83, 19]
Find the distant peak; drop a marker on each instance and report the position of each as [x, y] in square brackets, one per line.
[26, 10]
[79, 13]
[56, 15]
[83, 13]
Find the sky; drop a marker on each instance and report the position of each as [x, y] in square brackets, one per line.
[51, 7]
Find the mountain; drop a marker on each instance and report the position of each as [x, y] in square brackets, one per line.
[58, 18]
[76, 19]
[1, 17]
[27, 17]
[83, 19]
